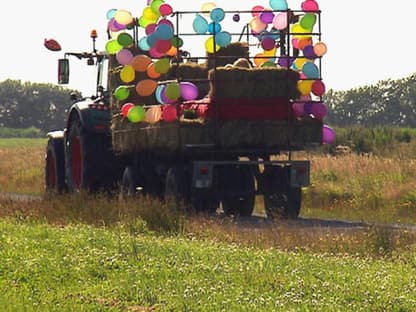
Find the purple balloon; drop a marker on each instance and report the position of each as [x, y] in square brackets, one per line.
[268, 43]
[308, 107]
[189, 91]
[286, 61]
[319, 110]
[267, 17]
[114, 26]
[309, 52]
[328, 135]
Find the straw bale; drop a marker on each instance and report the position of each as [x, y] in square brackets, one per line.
[228, 55]
[192, 72]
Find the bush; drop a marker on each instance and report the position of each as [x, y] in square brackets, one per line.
[31, 132]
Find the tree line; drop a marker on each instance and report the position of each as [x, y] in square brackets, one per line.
[39, 105]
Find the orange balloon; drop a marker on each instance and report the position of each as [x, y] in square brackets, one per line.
[153, 114]
[151, 72]
[305, 87]
[173, 51]
[140, 62]
[302, 43]
[146, 87]
[260, 59]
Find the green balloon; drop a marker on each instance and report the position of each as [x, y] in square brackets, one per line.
[162, 66]
[308, 21]
[173, 91]
[124, 39]
[136, 114]
[144, 22]
[122, 93]
[155, 5]
[112, 47]
[177, 42]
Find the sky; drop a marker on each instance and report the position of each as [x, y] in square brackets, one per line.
[367, 41]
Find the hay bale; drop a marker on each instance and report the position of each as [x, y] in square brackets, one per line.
[228, 55]
[236, 82]
[192, 72]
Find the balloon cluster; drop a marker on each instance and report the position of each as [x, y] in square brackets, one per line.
[219, 38]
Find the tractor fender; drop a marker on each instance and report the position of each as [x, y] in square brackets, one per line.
[91, 118]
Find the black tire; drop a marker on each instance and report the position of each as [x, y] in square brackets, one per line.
[91, 165]
[55, 166]
[204, 202]
[283, 205]
[129, 182]
[241, 182]
[177, 187]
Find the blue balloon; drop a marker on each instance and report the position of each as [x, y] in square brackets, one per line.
[158, 93]
[278, 5]
[214, 28]
[223, 39]
[151, 40]
[310, 70]
[200, 25]
[143, 45]
[217, 15]
[164, 32]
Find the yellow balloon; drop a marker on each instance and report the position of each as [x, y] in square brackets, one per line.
[127, 74]
[271, 52]
[299, 32]
[305, 86]
[210, 46]
[123, 17]
[207, 8]
[149, 15]
[300, 61]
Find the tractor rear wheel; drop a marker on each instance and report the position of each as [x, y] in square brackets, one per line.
[55, 166]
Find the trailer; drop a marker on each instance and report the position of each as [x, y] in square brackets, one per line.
[204, 131]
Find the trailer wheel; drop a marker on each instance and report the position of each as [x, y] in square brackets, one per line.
[129, 182]
[55, 166]
[204, 202]
[176, 187]
[90, 165]
[240, 182]
[283, 205]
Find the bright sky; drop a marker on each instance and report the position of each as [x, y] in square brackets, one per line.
[367, 41]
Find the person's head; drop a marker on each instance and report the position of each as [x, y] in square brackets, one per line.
[242, 62]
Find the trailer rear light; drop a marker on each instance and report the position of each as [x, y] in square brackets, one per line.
[99, 107]
[203, 170]
[202, 175]
[299, 174]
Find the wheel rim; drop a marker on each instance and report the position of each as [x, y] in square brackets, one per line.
[76, 168]
[51, 169]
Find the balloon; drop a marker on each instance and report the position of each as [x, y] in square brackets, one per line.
[260, 59]
[172, 52]
[169, 113]
[127, 74]
[309, 52]
[188, 90]
[299, 32]
[52, 44]
[200, 24]
[140, 62]
[173, 91]
[295, 43]
[150, 29]
[298, 109]
[319, 110]
[163, 46]
[155, 6]
[123, 17]
[146, 87]
[305, 86]
[257, 26]
[267, 17]
[320, 49]
[223, 39]
[164, 98]
[318, 88]
[310, 6]
[125, 109]
[256, 11]
[177, 42]
[144, 22]
[207, 8]
[124, 57]
[310, 70]
[328, 135]
[158, 93]
[165, 9]
[124, 39]
[236, 17]
[114, 26]
[164, 32]
[151, 71]
[285, 61]
[302, 43]
[211, 46]
[153, 114]
[217, 15]
[269, 64]
[214, 28]
[149, 15]
[143, 45]
[268, 43]
[271, 53]
[122, 93]
[308, 21]
[151, 40]
[278, 5]
[111, 13]
[162, 66]
[136, 114]
[155, 53]
[112, 47]
[299, 62]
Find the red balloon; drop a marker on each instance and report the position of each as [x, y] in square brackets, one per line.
[318, 88]
[169, 113]
[52, 44]
[125, 109]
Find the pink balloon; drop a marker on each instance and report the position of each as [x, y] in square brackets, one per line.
[280, 21]
[297, 109]
[310, 5]
[165, 9]
[189, 91]
[169, 113]
[150, 29]
[124, 57]
[319, 110]
[328, 135]
[163, 46]
[155, 53]
[256, 11]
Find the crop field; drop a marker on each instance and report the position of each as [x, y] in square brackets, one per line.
[85, 253]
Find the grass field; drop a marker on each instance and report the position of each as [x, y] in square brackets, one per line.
[99, 254]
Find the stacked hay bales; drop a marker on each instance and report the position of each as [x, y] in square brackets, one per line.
[237, 82]
[192, 72]
[228, 55]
